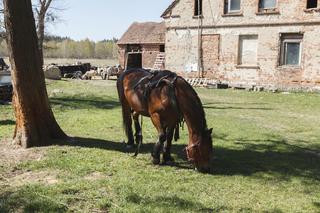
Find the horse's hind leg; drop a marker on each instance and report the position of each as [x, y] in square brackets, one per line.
[167, 158]
[162, 138]
[138, 134]
[130, 143]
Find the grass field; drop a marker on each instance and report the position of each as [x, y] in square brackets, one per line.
[266, 149]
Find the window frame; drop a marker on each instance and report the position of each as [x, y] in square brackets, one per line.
[284, 54]
[265, 10]
[286, 38]
[232, 11]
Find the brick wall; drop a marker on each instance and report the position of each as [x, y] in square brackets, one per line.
[182, 43]
[149, 54]
[122, 55]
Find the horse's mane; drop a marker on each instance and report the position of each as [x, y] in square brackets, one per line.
[198, 104]
[128, 71]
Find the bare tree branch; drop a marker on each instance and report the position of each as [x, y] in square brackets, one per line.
[45, 13]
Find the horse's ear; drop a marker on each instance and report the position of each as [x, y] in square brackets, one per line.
[210, 131]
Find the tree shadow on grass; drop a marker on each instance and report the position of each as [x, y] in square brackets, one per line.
[283, 164]
[173, 201]
[7, 122]
[317, 204]
[214, 106]
[84, 102]
[27, 200]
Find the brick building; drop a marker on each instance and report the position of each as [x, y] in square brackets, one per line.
[142, 45]
[272, 43]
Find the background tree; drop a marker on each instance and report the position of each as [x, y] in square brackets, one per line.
[42, 9]
[35, 122]
[1, 17]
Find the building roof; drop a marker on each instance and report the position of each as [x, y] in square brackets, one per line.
[144, 33]
[169, 9]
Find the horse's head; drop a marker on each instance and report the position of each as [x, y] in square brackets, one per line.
[200, 152]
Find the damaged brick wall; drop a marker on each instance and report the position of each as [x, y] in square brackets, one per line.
[122, 55]
[149, 54]
[210, 54]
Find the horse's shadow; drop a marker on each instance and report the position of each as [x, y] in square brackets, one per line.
[251, 161]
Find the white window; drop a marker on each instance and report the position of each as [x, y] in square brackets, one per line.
[267, 4]
[248, 48]
[232, 6]
[291, 48]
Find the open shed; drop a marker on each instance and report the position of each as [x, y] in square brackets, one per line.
[143, 46]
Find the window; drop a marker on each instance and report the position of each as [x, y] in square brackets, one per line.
[232, 6]
[291, 49]
[248, 48]
[197, 7]
[267, 5]
[312, 4]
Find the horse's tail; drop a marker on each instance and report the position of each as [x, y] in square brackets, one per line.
[176, 103]
[126, 110]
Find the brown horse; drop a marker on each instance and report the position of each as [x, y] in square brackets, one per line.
[166, 99]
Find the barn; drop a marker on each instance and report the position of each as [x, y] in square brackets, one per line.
[143, 46]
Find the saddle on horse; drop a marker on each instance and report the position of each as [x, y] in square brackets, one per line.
[155, 79]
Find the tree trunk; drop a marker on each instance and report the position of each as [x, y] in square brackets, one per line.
[35, 122]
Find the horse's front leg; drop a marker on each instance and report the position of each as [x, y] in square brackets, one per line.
[158, 147]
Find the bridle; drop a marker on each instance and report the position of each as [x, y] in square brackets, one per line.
[189, 148]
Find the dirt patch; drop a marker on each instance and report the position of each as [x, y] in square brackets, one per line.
[95, 176]
[11, 176]
[37, 177]
[12, 155]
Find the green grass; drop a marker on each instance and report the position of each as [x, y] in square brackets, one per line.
[266, 149]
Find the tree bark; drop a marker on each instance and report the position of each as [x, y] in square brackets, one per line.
[35, 122]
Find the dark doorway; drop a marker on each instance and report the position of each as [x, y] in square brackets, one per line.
[134, 60]
[162, 48]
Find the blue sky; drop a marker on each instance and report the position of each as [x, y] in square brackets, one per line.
[103, 19]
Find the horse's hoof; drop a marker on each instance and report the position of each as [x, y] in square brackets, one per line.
[169, 163]
[156, 161]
